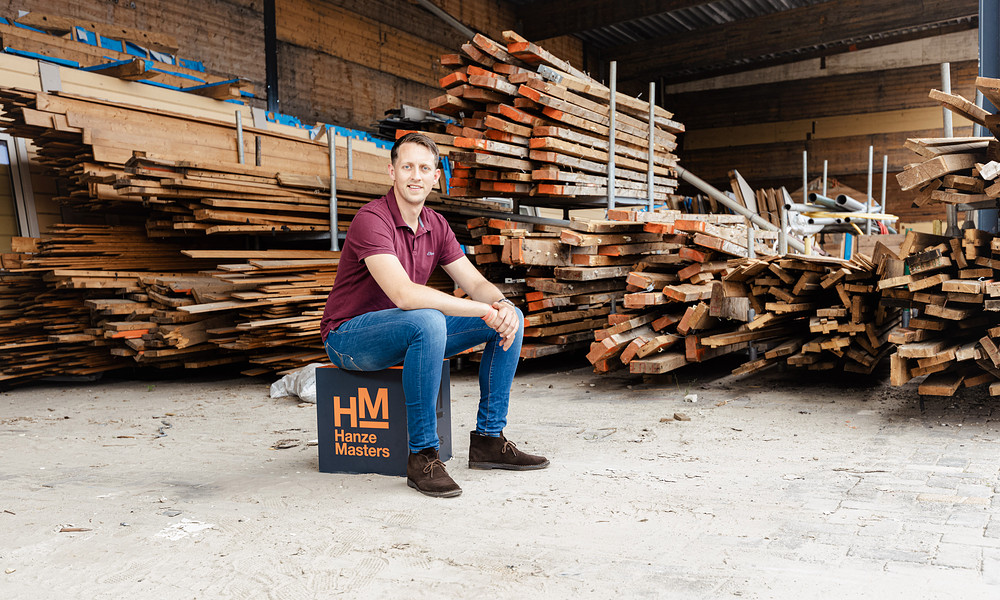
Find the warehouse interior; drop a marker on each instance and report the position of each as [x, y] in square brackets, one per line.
[753, 242]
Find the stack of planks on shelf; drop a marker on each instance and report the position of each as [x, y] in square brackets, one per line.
[952, 336]
[184, 172]
[530, 124]
[819, 313]
[958, 171]
[668, 304]
[60, 293]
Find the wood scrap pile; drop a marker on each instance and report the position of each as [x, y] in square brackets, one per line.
[667, 305]
[815, 312]
[958, 171]
[952, 334]
[530, 124]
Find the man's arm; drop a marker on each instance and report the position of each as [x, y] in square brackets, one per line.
[407, 295]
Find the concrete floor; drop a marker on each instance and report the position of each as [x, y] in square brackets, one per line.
[786, 485]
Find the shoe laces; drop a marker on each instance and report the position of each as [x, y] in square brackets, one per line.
[509, 445]
[433, 464]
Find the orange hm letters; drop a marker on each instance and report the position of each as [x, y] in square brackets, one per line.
[361, 410]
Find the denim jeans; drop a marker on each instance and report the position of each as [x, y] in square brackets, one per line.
[421, 339]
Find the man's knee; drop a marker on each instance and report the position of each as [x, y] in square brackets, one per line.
[426, 323]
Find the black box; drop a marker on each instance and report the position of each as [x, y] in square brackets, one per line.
[361, 420]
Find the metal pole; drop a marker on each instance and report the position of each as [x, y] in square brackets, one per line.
[458, 25]
[946, 88]
[350, 158]
[334, 226]
[783, 233]
[736, 207]
[751, 252]
[652, 125]
[256, 150]
[239, 135]
[885, 176]
[611, 135]
[805, 176]
[951, 213]
[825, 163]
[868, 204]
[989, 66]
[271, 56]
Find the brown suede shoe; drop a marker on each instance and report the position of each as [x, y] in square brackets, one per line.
[425, 473]
[498, 453]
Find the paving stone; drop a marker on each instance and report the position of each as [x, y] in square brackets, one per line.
[993, 529]
[991, 566]
[887, 554]
[978, 519]
[982, 491]
[953, 461]
[971, 540]
[959, 556]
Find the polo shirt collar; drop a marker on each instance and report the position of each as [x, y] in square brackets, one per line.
[397, 218]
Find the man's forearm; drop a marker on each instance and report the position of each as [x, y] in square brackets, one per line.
[485, 292]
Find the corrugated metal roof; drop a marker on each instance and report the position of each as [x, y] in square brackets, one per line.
[686, 19]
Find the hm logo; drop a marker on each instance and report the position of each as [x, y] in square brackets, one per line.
[361, 409]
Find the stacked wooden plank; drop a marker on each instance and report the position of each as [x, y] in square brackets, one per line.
[951, 337]
[819, 313]
[184, 172]
[532, 125]
[564, 287]
[59, 293]
[668, 307]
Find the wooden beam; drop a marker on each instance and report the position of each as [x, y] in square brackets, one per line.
[832, 26]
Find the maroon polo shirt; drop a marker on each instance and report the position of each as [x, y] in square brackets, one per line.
[378, 228]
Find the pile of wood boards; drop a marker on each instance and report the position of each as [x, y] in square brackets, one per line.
[816, 312]
[64, 296]
[184, 173]
[530, 124]
[667, 306]
[951, 337]
[958, 171]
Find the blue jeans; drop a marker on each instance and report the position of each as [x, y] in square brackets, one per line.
[421, 339]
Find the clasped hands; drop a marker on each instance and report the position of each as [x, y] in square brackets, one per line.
[502, 318]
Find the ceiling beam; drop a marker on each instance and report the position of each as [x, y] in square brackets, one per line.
[551, 18]
[763, 39]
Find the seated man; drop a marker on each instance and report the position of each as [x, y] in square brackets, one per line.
[380, 312]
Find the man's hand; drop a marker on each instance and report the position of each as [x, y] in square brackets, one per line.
[505, 323]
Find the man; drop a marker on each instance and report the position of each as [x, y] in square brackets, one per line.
[380, 312]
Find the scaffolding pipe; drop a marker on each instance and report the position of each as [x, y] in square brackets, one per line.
[613, 76]
[871, 173]
[885, 175]
[805, 175]
[825, 202]
[804, 208]
[652, 130]
[946, 88]
[731, 204]
[825, 163]
[848, 204]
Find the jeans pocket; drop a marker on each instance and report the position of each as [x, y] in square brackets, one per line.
[339, 359]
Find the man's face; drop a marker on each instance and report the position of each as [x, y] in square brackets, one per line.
[414, 173]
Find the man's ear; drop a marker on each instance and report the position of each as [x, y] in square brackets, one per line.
[392, 172]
